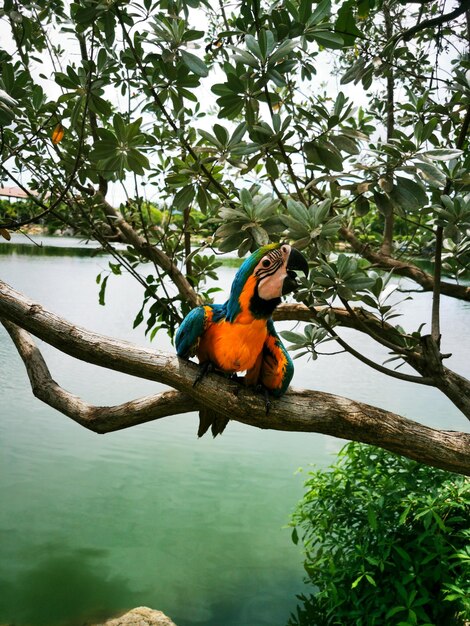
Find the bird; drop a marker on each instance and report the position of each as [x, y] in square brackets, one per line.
[239, 335]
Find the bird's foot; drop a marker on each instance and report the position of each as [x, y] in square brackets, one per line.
[204, 369]
[267, 402]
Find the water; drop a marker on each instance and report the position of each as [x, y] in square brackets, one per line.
[91, 525]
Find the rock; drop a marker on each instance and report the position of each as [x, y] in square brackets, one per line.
[141, 616]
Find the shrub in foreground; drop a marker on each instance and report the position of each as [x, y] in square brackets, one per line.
[387, 542]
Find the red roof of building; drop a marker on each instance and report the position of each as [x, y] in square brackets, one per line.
[14, 192]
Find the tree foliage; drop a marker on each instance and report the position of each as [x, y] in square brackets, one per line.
[219, 115]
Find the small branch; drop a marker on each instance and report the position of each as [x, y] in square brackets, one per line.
[436, 292]
[369, 330]
[432, 22]
[420, 380]
[401, 268]
[150, 252]
[425, 359]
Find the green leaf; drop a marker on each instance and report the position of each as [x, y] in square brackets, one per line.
[238, 134]
[184, 197]
[63, 80]
[328, 38]
[394, 611]
[408, 194]
[246, 199]
[137, 161]
[101, 297]
[345, 144]
[311, 152]
[298, 211]
[404, 555]
[346, 24]
[192, 35]
[383, 202]
[322, 10]
[232, 242]
[271, 168]
[104, 149]
[292, 337]
[259, 235]
[357, 581]
[295, 536]
[230, 228]
[253, 46]
[244, 57]
[362, 206]
[371, 516]
[355, 72]
[442, 154]
[331, 158]
[245, 247]
[221, 133]
[285, 48]
[194, 63]
[431, 174]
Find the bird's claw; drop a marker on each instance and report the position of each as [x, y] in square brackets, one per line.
[204, 369]
[267, 402]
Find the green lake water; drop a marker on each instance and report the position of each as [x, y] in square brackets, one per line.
[91, 525]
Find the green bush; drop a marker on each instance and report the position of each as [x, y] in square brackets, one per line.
[387, 542]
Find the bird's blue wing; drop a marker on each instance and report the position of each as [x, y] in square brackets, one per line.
[277, 367]
[190, 331]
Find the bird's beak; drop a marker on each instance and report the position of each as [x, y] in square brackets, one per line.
[296, 262]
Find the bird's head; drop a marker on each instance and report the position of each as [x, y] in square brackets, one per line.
[263, 278]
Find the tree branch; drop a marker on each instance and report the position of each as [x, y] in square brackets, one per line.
[150, 252]
[402, 268]
[425, 358]
[435, 21]
[389, 215]
[298, 410]
[99, 419]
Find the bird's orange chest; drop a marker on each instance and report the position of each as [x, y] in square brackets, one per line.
[233, 347]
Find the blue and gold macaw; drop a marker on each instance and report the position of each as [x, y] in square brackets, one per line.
[239, 335]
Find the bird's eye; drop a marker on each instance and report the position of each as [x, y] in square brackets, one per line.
[266, 263]
[285, 249]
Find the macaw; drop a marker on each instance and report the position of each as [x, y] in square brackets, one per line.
[239, 335]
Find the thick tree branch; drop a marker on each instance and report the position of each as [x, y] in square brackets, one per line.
[298, 410]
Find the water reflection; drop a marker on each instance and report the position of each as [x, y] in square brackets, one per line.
[44, 245]
[41, 250]
[52, 592]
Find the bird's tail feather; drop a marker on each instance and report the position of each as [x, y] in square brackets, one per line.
[213, 420]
